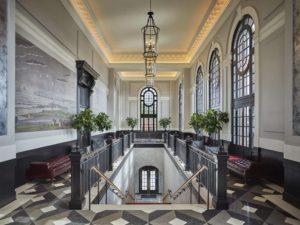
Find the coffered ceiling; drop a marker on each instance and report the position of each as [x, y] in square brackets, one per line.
[115, 27]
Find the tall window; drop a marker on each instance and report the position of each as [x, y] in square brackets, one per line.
[148, 109]
[214, 80]
[199, 91]
[243, 81]
[180, 106]
[148, 180]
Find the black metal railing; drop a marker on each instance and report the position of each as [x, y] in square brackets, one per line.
[181, 150]
[214, 180]
[102, 158]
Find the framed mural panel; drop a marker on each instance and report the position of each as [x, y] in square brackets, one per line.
[3, 67]
[296, 82]
[45, 90]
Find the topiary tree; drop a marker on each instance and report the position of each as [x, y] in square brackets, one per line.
[214, 121]
[103, 122]
[84, 122]
[165, 122]
[132, 122]
[197, 123]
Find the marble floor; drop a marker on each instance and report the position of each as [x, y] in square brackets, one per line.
[46, 203]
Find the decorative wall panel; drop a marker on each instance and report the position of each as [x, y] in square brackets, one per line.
[45, 90]
[3, 67]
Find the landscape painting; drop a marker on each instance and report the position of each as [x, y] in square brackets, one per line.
[45, 90]
[3, 68]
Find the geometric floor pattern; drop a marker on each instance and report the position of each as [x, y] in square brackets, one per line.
[48, 204]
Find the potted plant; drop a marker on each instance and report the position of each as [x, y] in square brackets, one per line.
[132, 122]
[103, 122]
[84, 122]
[213, 123]
[165, 122]
[197, 123]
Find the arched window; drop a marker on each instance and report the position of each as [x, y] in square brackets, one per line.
[180, 106]
[199, 91]
[148, 120]
[243, 80]
[214, 80]
[148, 181]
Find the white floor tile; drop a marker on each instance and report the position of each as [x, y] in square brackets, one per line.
[48, 209]
[239, 185]
[119, 222]
[270, 191]
[6, 221]
[249, 209]
[58, 185]
[38, 199]
[292, 221]
[62, 221]
[67, 191]
[30, 191]
[234, 221]
[260, 199]
[177, 221]
[230, 192]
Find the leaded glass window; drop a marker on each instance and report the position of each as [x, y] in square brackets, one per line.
[199, 91]
[214, 80]
[148, 109]
[243, 83]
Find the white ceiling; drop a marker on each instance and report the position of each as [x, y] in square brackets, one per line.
[121, 21]
[115, 27]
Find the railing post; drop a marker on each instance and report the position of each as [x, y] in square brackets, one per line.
[188, 142]
[175, 137]
[128, 144]
[122, 144]
[220, 201]
[77, 199]
[169, 145]
[165, 136]
[109, 142]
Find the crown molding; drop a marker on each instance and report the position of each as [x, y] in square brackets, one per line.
[85, 18]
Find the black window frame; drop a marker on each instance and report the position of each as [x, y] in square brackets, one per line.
[243, 84]
[214, 77]
[199, 91]
[149, 169]
[148, 112]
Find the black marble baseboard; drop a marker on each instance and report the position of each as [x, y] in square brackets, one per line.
[292, 182]
[7, 182]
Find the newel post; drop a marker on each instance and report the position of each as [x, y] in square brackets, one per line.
[77, 199]
[220, 201]
[122, 144]
[188, 142]
[175, 137]
[109, 142]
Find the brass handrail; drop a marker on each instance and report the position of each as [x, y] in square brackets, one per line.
[189, 180]
[121, 194]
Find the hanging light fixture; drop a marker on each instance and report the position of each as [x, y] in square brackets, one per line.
[150, 67]
[150, 37]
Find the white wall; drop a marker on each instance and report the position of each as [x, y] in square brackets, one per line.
[129, 104]
[273, 71]
[48, 25]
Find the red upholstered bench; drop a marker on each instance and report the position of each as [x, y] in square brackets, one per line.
[244, 167]
[49, 169]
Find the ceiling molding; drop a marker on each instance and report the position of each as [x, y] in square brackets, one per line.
[87, 18]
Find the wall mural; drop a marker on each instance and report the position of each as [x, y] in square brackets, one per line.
[3, 68]
[296, 91]
[45, 90]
